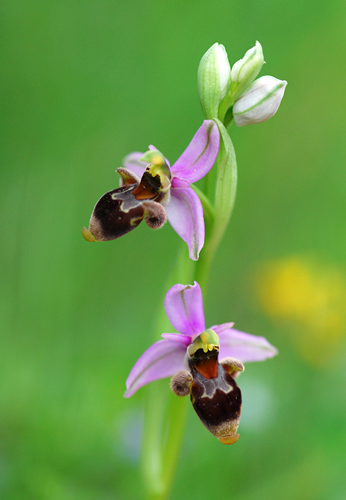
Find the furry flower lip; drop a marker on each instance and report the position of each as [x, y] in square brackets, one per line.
[203, 362]
[154, 191]
[121, 210]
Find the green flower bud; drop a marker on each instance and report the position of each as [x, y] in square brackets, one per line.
[214, 79]
[246, 69]
[260, 102]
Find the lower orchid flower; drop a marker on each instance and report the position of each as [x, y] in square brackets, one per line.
[192, 358]
[152, 189]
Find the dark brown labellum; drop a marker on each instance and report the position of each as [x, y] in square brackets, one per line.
[215, 396]
[121, 210]
[116, 213]
[149, 187]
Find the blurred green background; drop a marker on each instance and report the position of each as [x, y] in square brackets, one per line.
[85, 83]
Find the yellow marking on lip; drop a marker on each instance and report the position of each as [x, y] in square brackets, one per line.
[87, 235]
[205, 345]
[204, 337]
[133, 221]
[233, 438]
[207, 340]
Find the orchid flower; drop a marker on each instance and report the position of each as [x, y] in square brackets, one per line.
[191, 357]
[152, 190]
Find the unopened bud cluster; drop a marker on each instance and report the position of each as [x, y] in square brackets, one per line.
[223, 90]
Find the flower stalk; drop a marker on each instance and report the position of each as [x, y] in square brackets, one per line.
[154, 191]
[223, 92]
[164, 413]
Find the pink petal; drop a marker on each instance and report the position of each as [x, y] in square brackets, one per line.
[177, 337]
[185, 214]
[220, 328]
[179, 183]
[244, 346]
[200, 155]
[184, 308]
[162, 359]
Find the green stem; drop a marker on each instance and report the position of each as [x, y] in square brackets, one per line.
[165, 419]
[162, 439]
[152, 446]
[226, 103]
[225, 193]
[163, 430]
[229, 118]
[177, 413]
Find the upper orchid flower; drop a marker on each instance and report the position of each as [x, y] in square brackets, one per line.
[192, 357]
[151, 184]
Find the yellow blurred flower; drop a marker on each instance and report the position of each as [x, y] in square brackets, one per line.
[309, 296]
